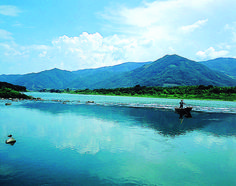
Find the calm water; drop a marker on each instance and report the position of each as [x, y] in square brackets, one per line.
[117, 141]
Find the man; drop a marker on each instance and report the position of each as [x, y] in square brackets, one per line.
[181, 104]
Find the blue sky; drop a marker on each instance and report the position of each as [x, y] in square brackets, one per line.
[78, 34]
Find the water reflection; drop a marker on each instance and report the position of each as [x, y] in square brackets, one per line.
[111, 145]
[165, 122]
[11, 142]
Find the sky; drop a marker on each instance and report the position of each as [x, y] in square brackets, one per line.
[80, 34]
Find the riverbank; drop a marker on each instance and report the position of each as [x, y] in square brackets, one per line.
[222, 97]
[199, 92]
[8, 93]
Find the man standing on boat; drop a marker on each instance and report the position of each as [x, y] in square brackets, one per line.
[181, 104]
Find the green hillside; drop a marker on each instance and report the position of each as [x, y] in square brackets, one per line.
[62, 79]
[89, 78]
[225, 65]
[171, 70]
[13, 87]
[10, 78]
[54, 78]
[8, 90]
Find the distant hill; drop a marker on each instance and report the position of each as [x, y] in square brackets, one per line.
[171, 70]
[9, 78]
[61, 79]
[13, 87]
[89, 78]
[54, 79]
[225, 65]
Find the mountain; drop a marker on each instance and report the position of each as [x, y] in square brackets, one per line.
[225, 65]
[9, 78]
[61, 79]
[168, 71]
[54, 78]
[13, 87]
[89, 78]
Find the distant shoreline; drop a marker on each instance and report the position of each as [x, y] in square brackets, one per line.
[168, 97]
[197, 92]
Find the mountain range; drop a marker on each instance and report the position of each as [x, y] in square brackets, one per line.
[225, 65]
[170, 70]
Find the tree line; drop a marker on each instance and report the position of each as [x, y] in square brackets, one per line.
[8, 90]
[13, 87]
[187, 92]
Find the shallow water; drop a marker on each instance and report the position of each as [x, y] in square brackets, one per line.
[198, 105]
[116, 141]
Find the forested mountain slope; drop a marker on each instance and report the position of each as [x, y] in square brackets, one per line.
[225, 65]
[168, 71]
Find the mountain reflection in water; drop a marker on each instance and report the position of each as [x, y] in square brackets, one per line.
[89, 144]
[165, 122]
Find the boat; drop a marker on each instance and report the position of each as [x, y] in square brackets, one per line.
[185, 110]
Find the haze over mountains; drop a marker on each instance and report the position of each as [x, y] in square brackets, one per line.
[170, 70]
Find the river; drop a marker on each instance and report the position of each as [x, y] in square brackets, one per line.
[116, 141]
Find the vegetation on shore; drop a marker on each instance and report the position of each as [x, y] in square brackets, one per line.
[183, 92]
[13, 87]
[8, 90]
[7, 93]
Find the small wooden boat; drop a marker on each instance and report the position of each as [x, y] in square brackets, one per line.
[185, 110]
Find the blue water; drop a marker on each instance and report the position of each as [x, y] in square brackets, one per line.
[116, 141]
[198, 105]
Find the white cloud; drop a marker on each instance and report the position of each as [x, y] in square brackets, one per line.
[10, 50]
[9, 10]
[5, 35]
[13, 49]
[145, 33]
[158, 12]
[232, 29]
[165, 24]
[93, 50]
[80, 52]
[191, 28]
[43, 54]
[212, 53]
